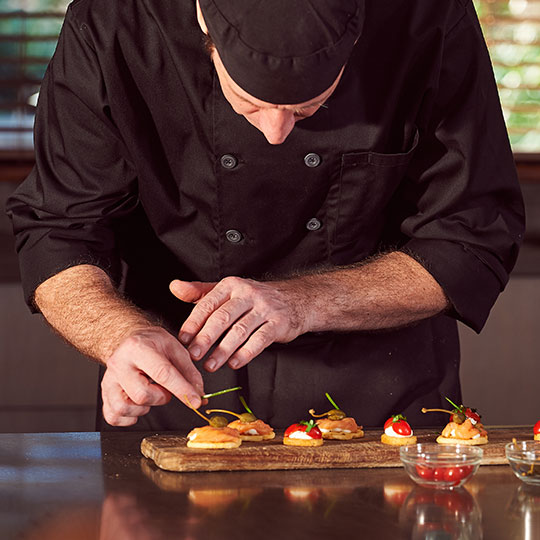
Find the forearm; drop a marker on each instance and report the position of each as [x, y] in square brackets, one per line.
[389, 291]
[82, 305]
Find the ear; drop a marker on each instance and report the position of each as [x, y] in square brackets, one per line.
[200, 19]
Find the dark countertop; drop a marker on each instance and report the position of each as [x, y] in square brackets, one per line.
[89, 486]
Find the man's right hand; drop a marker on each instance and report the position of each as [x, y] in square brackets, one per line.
[145, 370]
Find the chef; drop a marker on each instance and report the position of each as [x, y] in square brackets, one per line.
[294, 197]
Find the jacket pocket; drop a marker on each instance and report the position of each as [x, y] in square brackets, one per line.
[357, 207]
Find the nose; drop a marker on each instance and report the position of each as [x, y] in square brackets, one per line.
[276, 124]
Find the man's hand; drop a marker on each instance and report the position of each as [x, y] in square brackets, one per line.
[145, 364]
[388, 291]
[248, 315]
[145, 370]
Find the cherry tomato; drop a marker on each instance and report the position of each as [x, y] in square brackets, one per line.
[469, 413]
[457, 474]
[314, 432]
[424, 471]
[399, 424]
[439, 474]
[453, 475]
[537, 428]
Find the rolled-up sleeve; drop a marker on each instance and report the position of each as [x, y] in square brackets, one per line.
[83, 179]
[467, 221]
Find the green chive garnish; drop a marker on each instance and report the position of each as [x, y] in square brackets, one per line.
[206, 396]
[452, 403]
[243, 401]
[331, 401]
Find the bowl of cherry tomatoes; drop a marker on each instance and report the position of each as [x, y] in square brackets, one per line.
[440, 466]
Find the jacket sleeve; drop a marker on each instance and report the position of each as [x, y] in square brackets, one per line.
[467, 221]
[63, 213]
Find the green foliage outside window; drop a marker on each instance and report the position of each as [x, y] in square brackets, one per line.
[512, 31]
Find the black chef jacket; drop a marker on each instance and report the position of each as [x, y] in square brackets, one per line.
[143, 169]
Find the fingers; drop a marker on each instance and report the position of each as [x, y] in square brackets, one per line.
[183, 363]
[145, 371]
[164, 371]
[190, 291]
[119, 409]
[140, 390]
[236, 352]
[236, 336]
[254, 346]
[205, 307]
[218, 322]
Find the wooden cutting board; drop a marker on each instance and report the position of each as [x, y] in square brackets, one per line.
[169, 452]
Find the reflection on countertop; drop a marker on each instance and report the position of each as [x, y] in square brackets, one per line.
[91, 486]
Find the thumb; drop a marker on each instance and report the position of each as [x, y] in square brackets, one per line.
[190, 291]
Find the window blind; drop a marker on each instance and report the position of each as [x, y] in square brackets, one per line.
[27, 42]
[512, 31]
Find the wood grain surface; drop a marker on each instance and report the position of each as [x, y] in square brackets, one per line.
[169, 452]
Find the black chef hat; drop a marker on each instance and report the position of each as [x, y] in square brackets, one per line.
[284, 51]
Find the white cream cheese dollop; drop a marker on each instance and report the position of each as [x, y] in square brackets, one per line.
[300, 435]
[389, 431]
[323, 430]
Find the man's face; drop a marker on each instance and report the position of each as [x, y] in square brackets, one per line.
[275, 122]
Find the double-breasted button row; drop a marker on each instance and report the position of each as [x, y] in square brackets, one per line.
[234, 237]
[228, 161]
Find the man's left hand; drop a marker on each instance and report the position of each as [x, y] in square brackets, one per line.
[246, 315]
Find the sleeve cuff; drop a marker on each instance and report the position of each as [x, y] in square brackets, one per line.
[46, 258]
[472, 284]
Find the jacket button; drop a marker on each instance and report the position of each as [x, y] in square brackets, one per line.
[228, 161]
[233, 236]
[313, 224]
[312, 160]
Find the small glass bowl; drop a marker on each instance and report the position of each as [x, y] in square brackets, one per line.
[524, 459]
[440, 466]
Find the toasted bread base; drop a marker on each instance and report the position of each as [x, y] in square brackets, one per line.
[469, 442]
[537, 437]
[358, 434]
[397, 441]
[258, 438]
[302, 442]
[231, 444]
